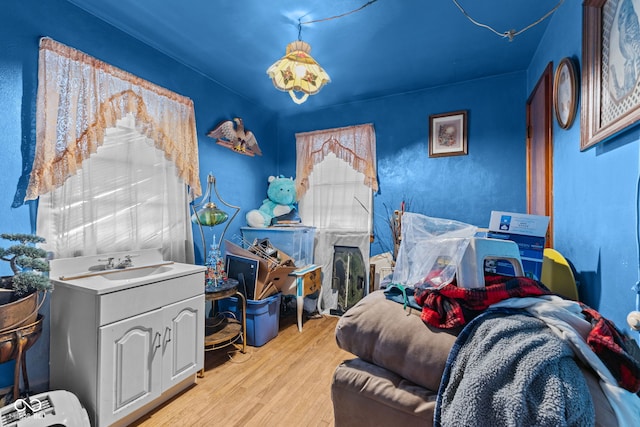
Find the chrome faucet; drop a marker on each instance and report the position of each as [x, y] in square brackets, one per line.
[125, 263]
[109, 265]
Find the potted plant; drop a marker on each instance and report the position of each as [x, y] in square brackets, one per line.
[19, 294]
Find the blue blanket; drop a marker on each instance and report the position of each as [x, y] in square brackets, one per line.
[511, 370]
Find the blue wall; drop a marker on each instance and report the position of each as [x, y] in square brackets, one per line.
[595, 199]
[466, 188]
[594, 191]
[22, 23]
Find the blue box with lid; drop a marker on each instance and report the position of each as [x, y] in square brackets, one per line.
[296, 241]
[263, 317]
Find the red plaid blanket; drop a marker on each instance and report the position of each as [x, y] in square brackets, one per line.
[451, 307]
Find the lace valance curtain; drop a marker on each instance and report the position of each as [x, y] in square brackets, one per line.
[355, 145]
[79, 97]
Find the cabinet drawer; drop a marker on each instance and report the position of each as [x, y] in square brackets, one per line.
[129, 302]
[312, 281]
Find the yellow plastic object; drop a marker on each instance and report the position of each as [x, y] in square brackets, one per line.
[557, 275]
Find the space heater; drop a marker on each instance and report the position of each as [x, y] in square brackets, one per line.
[52, 408]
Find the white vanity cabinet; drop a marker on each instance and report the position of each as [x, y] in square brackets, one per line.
[125, 346]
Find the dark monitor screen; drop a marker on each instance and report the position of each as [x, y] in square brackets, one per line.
[245, 271]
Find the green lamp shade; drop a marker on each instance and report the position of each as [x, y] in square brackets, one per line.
[209, 215]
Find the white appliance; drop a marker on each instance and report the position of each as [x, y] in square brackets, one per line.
[59, 408]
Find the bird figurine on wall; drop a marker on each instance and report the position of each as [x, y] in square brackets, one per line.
[232, 134]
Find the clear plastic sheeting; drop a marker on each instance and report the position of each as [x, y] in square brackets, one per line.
[431, 248]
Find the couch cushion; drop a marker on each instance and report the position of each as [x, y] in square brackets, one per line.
[381, 332]
[365, 395]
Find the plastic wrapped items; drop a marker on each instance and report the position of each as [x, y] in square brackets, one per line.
[431, 248]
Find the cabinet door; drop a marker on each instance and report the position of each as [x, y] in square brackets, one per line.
[130, 365]
[182, 340]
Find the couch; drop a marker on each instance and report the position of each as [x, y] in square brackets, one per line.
[398, 366]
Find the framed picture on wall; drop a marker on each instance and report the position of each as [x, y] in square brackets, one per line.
[448, 134]
[565, 93]
[610, 95]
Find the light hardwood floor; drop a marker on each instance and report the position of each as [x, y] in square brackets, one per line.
[286, 382]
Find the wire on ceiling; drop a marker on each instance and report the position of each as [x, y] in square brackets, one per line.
[511, 33]
[300, 24]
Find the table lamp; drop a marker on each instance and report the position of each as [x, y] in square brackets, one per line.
[207, 214]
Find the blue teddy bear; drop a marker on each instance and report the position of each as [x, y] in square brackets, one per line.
[281, 201]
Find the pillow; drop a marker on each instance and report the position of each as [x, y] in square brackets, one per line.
[381, 332]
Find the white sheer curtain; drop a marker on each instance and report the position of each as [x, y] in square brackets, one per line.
[338, 204]
[114, 154]
[337, 197]
[127, 196]
[336, 178]
[80, 96]
[356, 145]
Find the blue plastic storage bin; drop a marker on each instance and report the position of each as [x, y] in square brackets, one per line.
[263, 317]
[297, 242]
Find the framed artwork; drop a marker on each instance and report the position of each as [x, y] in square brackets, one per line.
[448, 134]
[565, 92]
[610, 95]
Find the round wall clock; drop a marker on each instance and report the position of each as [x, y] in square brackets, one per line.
[565, 92]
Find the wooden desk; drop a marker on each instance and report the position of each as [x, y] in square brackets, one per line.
[308, 281]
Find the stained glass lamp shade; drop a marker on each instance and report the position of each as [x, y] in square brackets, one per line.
[297, 71]
[209, 215]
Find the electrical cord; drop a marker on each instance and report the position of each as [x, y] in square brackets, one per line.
[313, 21]
[511, 33]
[369, 3]
[507, 34]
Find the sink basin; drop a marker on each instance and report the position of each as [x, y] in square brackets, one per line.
[88, 272]
[135, 273]
[130, 273]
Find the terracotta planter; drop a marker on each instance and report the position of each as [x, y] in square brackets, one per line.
[14, 344]
[19, 313]
[18, 340]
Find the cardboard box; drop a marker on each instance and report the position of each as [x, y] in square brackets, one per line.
[528, 232]
[273, 274]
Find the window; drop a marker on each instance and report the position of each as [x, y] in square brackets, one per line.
[336, 177]
[114, 154]
[127, 196]
[337, 197]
